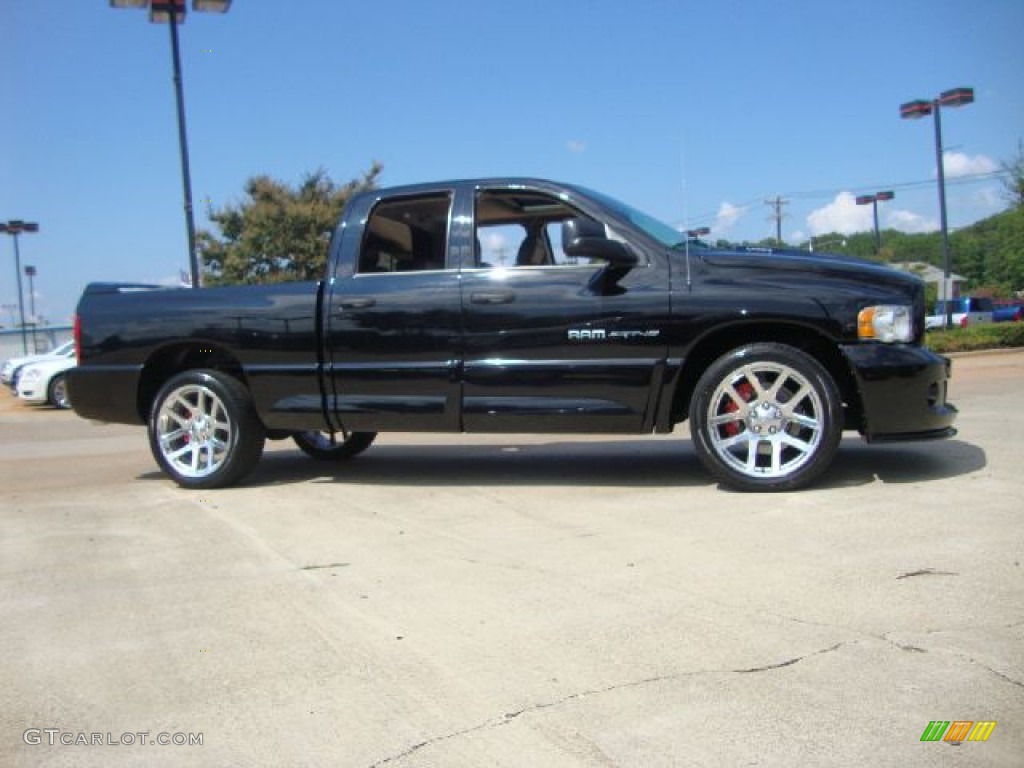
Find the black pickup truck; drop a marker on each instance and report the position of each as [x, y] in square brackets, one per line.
[519, 305]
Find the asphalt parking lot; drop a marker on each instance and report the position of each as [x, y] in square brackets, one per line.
[513, 601]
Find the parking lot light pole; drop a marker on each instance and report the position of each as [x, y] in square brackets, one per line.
[172, 12]
[912, 110]
[30, 273]
[874, 200]
[14, 228]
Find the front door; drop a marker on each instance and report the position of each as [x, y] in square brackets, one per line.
[552, 343]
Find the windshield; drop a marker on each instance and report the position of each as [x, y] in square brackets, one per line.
[659, 230]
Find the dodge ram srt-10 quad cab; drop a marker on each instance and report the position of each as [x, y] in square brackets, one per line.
[519, 305]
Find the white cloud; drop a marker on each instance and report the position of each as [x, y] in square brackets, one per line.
[493, 241]
[727, 216]
[989, 199]
[495, 247]
[576, 147]
[842, 215]
[958, 164]
[909, 222]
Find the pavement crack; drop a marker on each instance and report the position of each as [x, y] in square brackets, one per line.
[996, 672]
[325, 565]
[884, 637]
[508, 717]
[926, 572]
[790, 662]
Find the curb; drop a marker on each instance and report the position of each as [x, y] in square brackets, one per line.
[979, 352]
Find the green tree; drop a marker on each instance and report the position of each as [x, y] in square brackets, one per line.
[1013, 184]
[279, 232]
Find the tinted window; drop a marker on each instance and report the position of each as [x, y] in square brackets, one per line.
[407, 235]
[518, 228]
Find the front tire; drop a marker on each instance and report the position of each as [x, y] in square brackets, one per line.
[58, 392]
[333, 446]
[766, 417]
[204, 431]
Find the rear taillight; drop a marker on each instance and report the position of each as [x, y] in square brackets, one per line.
[78, 339]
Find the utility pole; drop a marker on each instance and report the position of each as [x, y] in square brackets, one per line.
[777, 203]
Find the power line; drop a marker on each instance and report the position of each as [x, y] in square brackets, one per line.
[965, 179]
[973, 178]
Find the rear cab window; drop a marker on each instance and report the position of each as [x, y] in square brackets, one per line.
[406, 235]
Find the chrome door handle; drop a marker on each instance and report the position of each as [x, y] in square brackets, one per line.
[360, 303]
[492, 297]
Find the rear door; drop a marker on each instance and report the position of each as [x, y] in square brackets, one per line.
[553, 344]
[393, 316]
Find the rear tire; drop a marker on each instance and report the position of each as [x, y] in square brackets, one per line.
[204, 431]
[766, 417]
[333, 446]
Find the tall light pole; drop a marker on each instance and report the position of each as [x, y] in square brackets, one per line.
[14, 228]
[30, 273]
[912, 110]
[172, 13]
[874, 200]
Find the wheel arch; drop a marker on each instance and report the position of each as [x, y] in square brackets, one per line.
[808, 339]
[176, 357]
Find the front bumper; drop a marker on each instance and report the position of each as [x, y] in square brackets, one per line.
[903, 392]
[33, 391]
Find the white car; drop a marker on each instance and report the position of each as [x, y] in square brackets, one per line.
[45, 382]
[15, 364]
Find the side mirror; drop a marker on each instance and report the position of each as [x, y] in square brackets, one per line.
[587, 238]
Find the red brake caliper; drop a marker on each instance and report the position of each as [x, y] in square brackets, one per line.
[745, 391]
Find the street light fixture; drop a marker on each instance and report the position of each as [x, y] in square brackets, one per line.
[172, 13]
[14, 228]
[874, 200]
[826, 243]
[912, 110]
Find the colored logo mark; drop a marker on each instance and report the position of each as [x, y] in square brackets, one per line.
[958, 731]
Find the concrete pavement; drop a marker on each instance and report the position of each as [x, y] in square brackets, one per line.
[512, 601]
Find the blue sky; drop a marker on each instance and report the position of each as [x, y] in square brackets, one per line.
[695, 112]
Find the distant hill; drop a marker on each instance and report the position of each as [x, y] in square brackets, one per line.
[989, 253]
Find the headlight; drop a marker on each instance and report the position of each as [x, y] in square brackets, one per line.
[886, 323]
[31, 374]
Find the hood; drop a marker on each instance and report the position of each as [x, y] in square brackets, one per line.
[18, 362]
[51, 365]
[823, 264]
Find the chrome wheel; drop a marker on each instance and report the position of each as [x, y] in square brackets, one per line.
[332, 446]
[59, 393]
[766, 417]
[194, 431]
[323, 440]
[766, 420]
